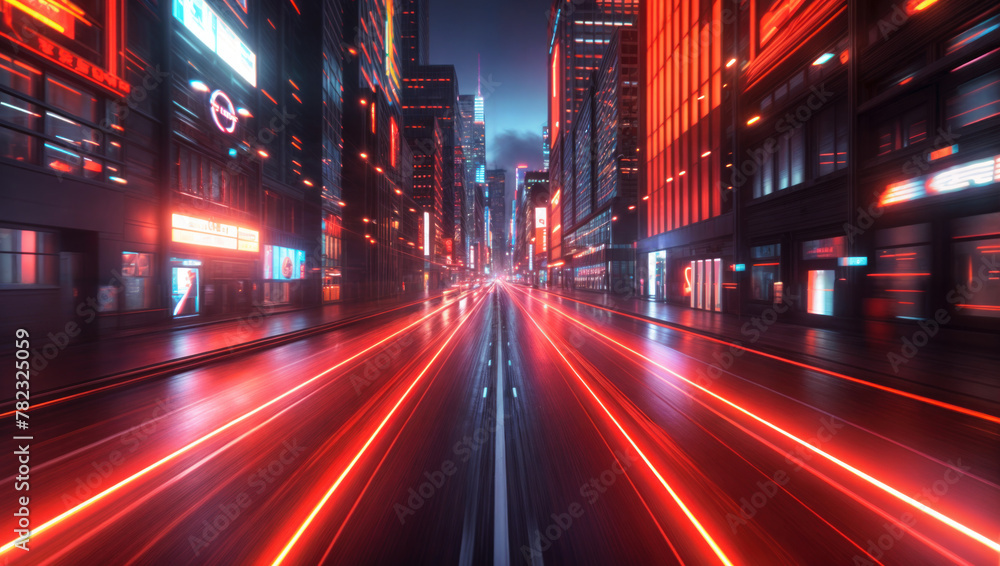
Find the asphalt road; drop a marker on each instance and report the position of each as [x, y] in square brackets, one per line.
[506, 426]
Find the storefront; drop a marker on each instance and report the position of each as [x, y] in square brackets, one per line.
[282, 268]
[818, 270]
[211, 266]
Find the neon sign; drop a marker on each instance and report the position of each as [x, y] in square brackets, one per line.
[201, 232]
[223, 111]
[44, 47]
[541, 234]
[209, 28]
[953, 179]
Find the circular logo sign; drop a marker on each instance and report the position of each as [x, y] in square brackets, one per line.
[223, 111]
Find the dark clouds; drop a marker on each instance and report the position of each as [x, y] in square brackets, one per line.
[512, 148]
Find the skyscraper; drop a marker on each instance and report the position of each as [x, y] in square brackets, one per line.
[432, 91]
[686, 136]
[545, 147]
[415, 34]
[377, 262]
[496, 184]
[579, 33]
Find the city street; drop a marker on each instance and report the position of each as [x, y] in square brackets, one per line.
[507, 425]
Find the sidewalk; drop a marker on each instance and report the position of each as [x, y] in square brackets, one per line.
[127, 355]
[959, 361]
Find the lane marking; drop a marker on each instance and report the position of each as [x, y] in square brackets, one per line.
[501, 536]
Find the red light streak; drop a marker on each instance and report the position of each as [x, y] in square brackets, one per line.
[326, 497]
[269, 97]
[673, 494]
[915, 397]
[899, 275]
[188, 447]
[986, 541]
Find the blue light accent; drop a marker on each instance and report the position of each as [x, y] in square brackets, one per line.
[823, 58]
[232, 152]
[739, 267]
[555, 28]
[852, 261]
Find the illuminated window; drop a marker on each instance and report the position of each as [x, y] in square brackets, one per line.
[975, 269]
[820, 292]
[902, 131]
[831, 139]
[974, 101]
[137, 275]
[764, 272]
[28, 257]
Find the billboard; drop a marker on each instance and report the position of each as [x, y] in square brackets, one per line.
[184, 289]
[284, 264]
[209, 28]
[541, 234]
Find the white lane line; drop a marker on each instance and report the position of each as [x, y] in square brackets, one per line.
[501, 539]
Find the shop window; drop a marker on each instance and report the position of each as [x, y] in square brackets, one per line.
[974, 101]
[28, 257]
[902, 131]
[831, 140]
[977, 273]
[137, 275]
[17, 76]
[763, 276]
[820, 299]
[18, 112]
[16, 145]
[72, 100]
[901, 281]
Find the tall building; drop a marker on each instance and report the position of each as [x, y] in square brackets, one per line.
[83, 210]
[425, 138]
[529, 258]
[545, 148]
[686, 134]
[597, 239]
[415, 34]
[579, 33]
[466, 111]
[431, 91]
[376, 261]
[496, 196]
[876, 200]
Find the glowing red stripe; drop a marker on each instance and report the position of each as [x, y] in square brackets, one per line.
[915, 397]
[673, 495]
[298, 533]
[180, 451]
[871, 480]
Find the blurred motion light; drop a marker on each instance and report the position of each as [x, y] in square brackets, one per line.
[199, 86]
[823, 59]
[753, 120]
[731, 62]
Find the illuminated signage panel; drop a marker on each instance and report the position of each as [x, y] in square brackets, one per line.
[958, 178]
[427, 233]
[201, 232]
[541, 234]
[209, 28]
[284, 264]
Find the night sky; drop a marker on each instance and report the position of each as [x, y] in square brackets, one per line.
[510, 36]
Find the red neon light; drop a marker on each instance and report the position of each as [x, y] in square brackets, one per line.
[899, 275]
[63, 57]
[687, 280]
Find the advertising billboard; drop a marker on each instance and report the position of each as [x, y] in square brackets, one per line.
[284, 264]
[184, 289]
